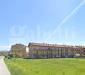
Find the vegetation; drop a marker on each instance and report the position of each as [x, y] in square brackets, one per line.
[60, 66]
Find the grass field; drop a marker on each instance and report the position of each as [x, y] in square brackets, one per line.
[59, 66]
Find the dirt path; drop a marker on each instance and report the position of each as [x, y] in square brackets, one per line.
[3, 67]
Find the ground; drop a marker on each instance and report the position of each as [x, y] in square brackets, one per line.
[3, 68]
[59, 66]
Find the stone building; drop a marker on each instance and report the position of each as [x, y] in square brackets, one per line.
[18, 50]
[41, 50]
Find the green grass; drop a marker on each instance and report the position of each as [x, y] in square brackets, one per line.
[60, 66]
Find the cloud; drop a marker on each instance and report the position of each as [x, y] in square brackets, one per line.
[58, 28]
[17, 33]
[5, 47]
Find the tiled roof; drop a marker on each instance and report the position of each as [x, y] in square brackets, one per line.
[52, 45]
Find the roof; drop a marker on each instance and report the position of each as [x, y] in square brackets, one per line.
[52, 45]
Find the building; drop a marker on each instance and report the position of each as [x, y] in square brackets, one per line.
[18, 50]
[42, 50]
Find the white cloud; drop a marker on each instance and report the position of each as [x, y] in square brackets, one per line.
[5, 47]
[18, 34]
[58, 28]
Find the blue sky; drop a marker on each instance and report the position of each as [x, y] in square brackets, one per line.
[24, 21]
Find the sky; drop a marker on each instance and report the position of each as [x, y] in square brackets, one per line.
[42, 21]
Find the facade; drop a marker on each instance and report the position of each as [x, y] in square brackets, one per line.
[18, 50]
[42, 50]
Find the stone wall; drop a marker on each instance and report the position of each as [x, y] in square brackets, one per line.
[18, 50]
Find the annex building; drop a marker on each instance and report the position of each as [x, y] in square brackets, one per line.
[42, 50]
[18, 50]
